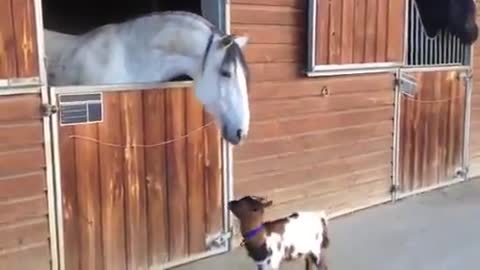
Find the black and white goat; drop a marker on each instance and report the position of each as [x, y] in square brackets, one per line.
[300, 235]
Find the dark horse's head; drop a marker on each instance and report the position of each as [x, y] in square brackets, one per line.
[455, 16]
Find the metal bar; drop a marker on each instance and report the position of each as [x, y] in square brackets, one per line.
[56, 247]
[77, 89]
[467, 122]
[17, 91]
[396, 135]
[407, 29]
[228, 155]
[312, 34]
[456, 180]
[25, 82]
[417, 28]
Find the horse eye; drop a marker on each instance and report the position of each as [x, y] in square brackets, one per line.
[225, 73]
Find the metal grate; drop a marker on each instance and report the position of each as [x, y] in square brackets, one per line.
[443, 49]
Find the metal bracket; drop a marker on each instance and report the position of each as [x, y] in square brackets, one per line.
[218, 240]
[49, 109]
[394, 188]
[407, 84]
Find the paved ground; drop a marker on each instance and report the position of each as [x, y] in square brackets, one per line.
[439, 230]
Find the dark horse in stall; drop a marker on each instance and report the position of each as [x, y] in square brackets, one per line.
[454, 16]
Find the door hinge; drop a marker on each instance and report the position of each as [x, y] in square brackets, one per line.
[466, 77]
[407, 84]
[218, 240]
[49, 109]
[394, 188]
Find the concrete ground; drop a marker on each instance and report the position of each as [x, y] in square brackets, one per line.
[438, 230]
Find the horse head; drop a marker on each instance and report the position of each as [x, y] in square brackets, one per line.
[455, 16]
[222, 85]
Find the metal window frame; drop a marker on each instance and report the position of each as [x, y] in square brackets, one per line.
[315, 70]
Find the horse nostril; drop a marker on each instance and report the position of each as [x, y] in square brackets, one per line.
[239, 133]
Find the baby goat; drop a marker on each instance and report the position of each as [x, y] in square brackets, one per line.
[300, 235]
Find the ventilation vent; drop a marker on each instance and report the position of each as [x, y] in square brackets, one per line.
[443, 49]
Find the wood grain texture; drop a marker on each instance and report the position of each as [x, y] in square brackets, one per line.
[359, 31]
[8, 62]
[176, 164]
[88, 198]
[26, 38]
[70, 204]
[195, 174]
[112, 186]
[134, 173]
[154, 114]
[431, 141]
[130, 194]
[24, 230]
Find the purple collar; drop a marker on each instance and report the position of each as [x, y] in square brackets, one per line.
[253, 233]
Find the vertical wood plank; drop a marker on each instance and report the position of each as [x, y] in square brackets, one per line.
[323, 19]
[418, 130]
[156, 175]
[443, 129]
[177, 173]
[112, 189]
[134, 173]
[359, 31]
[348, 14]
[71, 220]
[371, 31]
[196, 181]
[451, 128]
[434, 141]
[213, 177]
[396, 18]
[87, 173]
[8, 63]
[382, 27]
[26, 38]
[335, 39]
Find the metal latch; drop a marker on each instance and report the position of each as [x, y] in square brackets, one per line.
[49, 109]
[407, 84]
[218, 240]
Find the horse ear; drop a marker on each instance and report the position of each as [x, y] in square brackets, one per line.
[241, 40]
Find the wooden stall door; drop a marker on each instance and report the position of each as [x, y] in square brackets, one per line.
[431, 130]
[359, 31]
[137, 192]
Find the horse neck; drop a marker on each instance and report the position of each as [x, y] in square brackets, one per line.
[182, 46]
[56, 43]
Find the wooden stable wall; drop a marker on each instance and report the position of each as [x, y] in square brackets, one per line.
[24, 227]
[475, 112]
[24, 230]
[431, 130]
[136, 207]
[359, 31]
[314, 143]
[18, 43]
